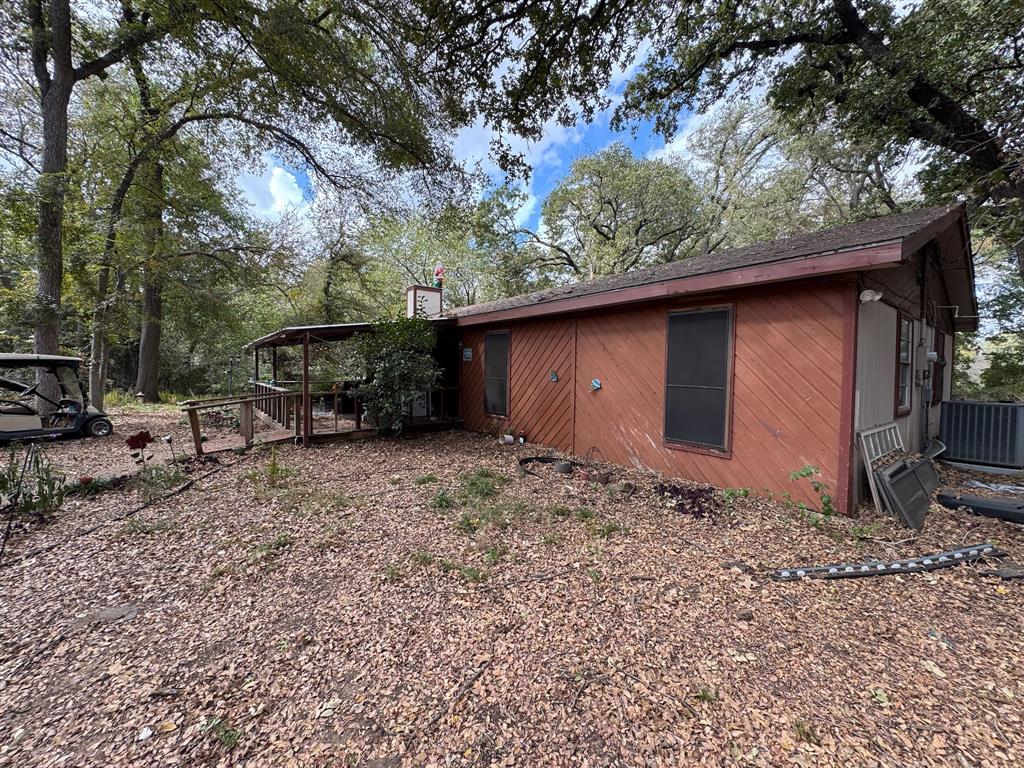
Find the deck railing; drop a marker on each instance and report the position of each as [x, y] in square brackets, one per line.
[284, 410]
[247, 413]
[274, 405]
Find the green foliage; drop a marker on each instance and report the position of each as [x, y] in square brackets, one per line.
[421, 557]
[707, 695]
[827, 509]
[560, 512]
[805, 732]
[730, 495]
[495, 553]
[221, 730]
[847, 66]
[605, 530]
[1003, 379]
[615, 212]
[471, 522]
[41, 489]
[481, 484]
[443, 501]
[155, 479]
[425, 479]
[398, 365]
[274, 474]
[269, 551]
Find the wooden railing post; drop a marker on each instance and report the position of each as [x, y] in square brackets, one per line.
[245, 417]
[197, 436]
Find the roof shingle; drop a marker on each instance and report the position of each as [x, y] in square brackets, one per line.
[861, 234]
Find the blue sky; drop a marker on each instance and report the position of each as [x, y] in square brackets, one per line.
[280, 187]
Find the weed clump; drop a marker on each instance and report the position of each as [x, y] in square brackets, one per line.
[155, 480]
[222, 731]
[443, 501]
[269, 551]
[471, 522]
[481, 484]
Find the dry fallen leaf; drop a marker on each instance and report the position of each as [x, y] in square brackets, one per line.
[339, 617]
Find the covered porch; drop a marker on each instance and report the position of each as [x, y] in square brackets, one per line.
[302, 392]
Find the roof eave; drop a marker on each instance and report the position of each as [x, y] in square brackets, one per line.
[819, 265]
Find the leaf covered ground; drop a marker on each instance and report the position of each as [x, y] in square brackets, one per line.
[419, 602]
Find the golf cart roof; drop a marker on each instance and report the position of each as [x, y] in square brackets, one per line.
[8, 360]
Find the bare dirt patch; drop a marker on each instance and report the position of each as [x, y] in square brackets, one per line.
[419, 602]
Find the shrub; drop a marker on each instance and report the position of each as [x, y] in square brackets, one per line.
[397, 364]
[40, 488]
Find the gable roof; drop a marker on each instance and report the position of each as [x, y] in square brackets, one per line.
[867, 244]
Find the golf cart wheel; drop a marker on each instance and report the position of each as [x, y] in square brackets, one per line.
[99, 428]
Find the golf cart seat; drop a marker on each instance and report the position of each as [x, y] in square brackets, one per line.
[18, 417]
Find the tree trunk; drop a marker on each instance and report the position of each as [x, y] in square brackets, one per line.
[54, 96]
[148, 379]
[98, 347]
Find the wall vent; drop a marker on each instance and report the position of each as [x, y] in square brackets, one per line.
[983, 433]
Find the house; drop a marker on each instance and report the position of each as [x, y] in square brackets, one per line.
[733, 368]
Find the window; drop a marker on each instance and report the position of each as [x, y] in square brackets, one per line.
[697, 377]
[904, 365]
[939, 368]
[496, 373]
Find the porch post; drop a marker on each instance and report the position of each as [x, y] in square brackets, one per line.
[273, 363]
[256, 366]
[307, 413]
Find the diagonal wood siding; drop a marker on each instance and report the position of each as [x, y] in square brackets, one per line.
[786, 397]
[538, 406]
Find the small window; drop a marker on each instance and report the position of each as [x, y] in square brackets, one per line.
[697, 377]
[904, 365]
[496, 373]
[939, 368]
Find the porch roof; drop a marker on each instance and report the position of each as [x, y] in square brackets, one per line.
[292, 335]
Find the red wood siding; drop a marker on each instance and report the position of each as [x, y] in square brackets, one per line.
[538, 406]
[787, 400]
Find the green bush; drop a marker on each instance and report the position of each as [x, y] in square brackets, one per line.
[42, 488]
[397, 364]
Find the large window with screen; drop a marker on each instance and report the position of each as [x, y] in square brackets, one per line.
[496, 373]
[697, 385]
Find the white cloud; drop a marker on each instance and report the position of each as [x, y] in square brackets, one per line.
[273, 192]
[284, 189]
[526, 211]
[678, 145]
[473, 144]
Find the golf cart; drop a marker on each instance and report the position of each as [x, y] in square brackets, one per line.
[25, 412]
